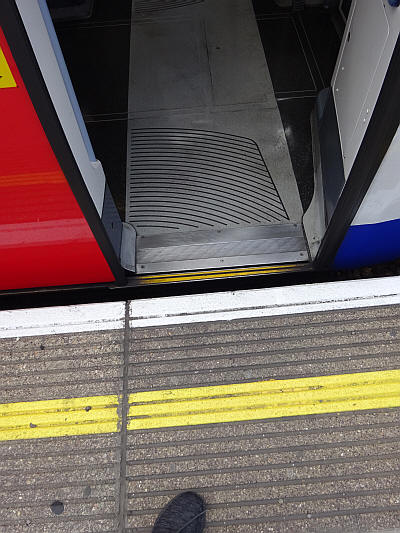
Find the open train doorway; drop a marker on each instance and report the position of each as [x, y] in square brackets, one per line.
[217, 138]
[219, 168]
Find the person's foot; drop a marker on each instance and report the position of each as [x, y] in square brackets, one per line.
[186, 513]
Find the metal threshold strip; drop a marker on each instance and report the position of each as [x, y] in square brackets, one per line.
[260, 245]
[222, 273]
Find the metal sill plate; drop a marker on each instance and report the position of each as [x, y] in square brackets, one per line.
[261, 245]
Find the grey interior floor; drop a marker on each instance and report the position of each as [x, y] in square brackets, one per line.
[206, 145]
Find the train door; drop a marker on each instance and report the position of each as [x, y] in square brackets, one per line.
[57, 224]
[354, 216]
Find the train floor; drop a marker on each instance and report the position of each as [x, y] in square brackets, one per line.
[282, 419]
[208, 167]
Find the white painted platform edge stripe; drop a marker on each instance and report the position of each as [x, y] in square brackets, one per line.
[265, 302]
[68, 319]
[202, 308]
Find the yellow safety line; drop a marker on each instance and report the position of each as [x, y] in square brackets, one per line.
[57, 418]
[201, 405]
[264, 399]
[214, 274]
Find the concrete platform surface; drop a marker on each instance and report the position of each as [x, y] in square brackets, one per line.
[282, 423]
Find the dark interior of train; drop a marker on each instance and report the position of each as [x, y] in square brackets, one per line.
[199, 111]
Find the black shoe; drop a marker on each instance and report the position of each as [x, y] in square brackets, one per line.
[186, 513]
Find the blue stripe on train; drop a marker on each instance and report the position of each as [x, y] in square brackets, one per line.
[369, 244]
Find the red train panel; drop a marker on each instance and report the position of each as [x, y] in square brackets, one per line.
[44, 238]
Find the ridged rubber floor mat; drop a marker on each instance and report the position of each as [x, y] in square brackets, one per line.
[190, 179]
[145, 7]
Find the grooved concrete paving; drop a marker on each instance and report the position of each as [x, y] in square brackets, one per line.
[330, 472]
[80, 471]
